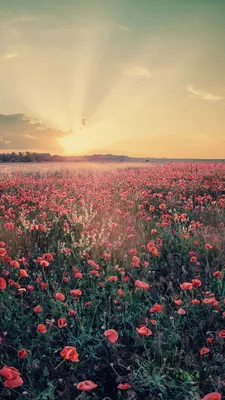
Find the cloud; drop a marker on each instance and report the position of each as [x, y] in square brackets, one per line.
[8, 56]
[18, 131]
[24, 19]
[123, 28]
[197, 93]
[138, 71]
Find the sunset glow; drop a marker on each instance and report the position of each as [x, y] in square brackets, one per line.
[149, 78]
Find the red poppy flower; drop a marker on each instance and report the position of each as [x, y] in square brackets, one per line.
[181, 311]
[13, 383]
[85, 386]
[124, 386]
[60, 296]
[37, 309]
[62, 323]
[44, 263]
[112, 335]
[217, 274]
[9, 372]
[142, 285]
[221, 334]
[14, 264]
[144, 331]
[2, 252]
[186, 286]
[178, 302]
[41, 328]
[48, 256]
[22, 353]
[196, 282]
[78, 275]
[212, 396]
[196, 301]
[156, 308]
[76, 292]
[204, 350]
[71, 313]
[112, 278]
[2, 284]
[70, 353]
[23, 273]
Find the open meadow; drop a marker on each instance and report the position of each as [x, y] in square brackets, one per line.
[112, 282]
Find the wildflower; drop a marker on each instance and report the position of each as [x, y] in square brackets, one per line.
[62, 323]
[217, 274]
[186, 286]
[2, 284]
[41, 328]
[142, 285]
[221, 334]
[71, 313]
[60, 296]
[132, 252]
[156, 308]
[112, 335]
[78, 275]
[11, 376]
[2, 252]
[135, 261]
[196, 282]
[43, 285]
[76, 292]
[23, 273]
[44, 263]
[85, 386]
[144, 331]
[22, 353]
[70, 353]
[14, 264]
[204, 350]
[208, 246]
[181, 311]
[112, 278]
[195, 301]
[124, 386]
[212, 396]
[48, 257]
[178, 302]
[120, 292]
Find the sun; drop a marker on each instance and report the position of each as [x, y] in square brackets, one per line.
[75, 143]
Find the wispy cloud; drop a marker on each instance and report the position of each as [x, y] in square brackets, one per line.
[123, 28]
[24, 19]
[8, 56]
[138, 71]
[19, 131]
[201, 94]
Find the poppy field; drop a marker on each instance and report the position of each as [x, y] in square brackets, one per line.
[112, 283]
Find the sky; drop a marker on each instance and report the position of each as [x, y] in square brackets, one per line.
[147, 75]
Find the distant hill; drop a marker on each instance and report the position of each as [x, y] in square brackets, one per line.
[26, 157]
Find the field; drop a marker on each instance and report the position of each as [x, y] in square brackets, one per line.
[114, 276]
